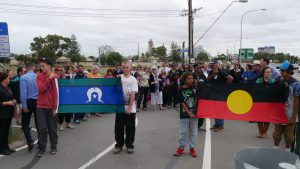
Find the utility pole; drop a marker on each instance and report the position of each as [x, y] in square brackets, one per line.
[183, 46]
[191, 26]
[138, 51]
[99, 55]
[190, 13]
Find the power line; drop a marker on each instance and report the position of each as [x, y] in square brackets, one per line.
[85, 14]
[82, 16]
[97, 15]
[91, 9]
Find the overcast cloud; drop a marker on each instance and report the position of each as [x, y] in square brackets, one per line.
[278, 26]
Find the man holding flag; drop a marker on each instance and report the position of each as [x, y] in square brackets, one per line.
[127, 119]
[291, 107]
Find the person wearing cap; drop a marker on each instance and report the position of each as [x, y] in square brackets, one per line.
[28, 95]
[46, 107]
[200, 78]
[291, 108]
[256, 71]
[218, 76]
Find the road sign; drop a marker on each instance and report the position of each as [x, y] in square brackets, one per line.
[192, 60]
[234, 59]
[185, 50]
[4, 40]
[246, 53]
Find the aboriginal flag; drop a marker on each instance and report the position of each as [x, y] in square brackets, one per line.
[255, 102]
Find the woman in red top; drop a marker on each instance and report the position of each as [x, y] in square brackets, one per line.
[109, 74]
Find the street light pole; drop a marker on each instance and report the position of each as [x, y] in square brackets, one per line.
[241, 35]
[242, 1]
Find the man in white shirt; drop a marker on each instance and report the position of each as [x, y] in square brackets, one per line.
[126, 120]
[165, 67]
[205, 69]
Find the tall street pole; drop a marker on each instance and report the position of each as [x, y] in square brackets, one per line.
[183, 46]
[241, 34]
[191, 46]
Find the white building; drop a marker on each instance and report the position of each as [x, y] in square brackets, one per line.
[199, 49]
[267, 49]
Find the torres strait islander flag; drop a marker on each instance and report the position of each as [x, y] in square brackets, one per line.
[103, 95]
[257, 102]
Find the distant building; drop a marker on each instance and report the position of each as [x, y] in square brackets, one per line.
[267, 49]
[200, 49]
[150, 46]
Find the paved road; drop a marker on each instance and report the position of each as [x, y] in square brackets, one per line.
[156, 140]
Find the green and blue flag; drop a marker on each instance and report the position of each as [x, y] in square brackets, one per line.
[103, 95]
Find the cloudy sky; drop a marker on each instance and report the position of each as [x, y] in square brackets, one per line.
[123, 24]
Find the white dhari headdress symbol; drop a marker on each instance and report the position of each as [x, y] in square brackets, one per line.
[94, 90]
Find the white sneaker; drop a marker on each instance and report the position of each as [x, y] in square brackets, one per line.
[61, 128]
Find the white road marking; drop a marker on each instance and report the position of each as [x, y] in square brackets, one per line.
[207, 147]
[23, 147]
[97, 157]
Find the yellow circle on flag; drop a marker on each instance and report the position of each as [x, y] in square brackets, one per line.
[239, 102]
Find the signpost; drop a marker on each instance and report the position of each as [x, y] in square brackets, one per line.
[246, 53]
[4, 40]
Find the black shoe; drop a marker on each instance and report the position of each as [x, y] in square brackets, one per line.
[117, 150]
[5, 152]
[130, 150]
[214, 127]
[11, 151]
[30, 147]
[53, 151]
[41, 153]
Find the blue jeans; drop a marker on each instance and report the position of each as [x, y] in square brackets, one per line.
[219, 122]
[188, 126]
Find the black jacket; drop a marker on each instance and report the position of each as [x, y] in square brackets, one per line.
[6, 111]
[14, 85]
[153, 86]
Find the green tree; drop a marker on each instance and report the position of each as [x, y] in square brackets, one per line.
[52, 46]
[135, 58]
[221, 57]
[175, 53]
[160, 52]
[92, 57]
[103, 60]
[202, 57]
[114, 58]
[73, 49]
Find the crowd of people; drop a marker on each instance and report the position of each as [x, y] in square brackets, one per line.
[32, 91]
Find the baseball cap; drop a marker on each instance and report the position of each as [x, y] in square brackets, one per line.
[286, 65]
[198, 65]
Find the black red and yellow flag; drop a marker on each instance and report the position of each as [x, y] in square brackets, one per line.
[257, 102]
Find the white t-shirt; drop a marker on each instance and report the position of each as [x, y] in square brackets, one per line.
[167, 69]
[129, 85]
